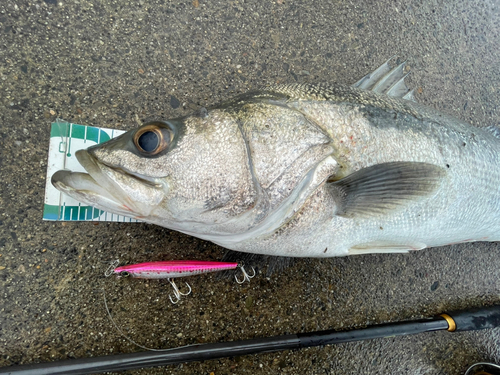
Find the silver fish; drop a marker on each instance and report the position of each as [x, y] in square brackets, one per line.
[305, 171]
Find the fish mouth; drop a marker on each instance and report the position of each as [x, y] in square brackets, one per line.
[108, 188]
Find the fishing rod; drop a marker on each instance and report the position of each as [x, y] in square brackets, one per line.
[465, 320]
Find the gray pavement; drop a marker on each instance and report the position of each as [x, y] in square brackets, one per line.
[117, 64]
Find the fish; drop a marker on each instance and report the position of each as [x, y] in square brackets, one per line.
[305, 170]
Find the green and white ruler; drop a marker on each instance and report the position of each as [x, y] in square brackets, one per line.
[65, 140]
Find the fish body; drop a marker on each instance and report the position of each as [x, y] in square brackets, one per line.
[172, 269]
[305, 171]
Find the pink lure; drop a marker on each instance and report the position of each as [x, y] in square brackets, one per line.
[172, 269]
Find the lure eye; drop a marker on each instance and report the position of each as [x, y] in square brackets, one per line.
[124, 274]
[153, 138]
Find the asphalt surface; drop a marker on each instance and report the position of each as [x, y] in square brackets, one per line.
[117, 64]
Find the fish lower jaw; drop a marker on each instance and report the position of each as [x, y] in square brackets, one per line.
[83, 188]
[95, 200]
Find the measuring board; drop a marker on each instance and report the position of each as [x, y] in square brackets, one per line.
[65, 139]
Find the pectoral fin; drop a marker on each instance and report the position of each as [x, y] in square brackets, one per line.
[383, 188]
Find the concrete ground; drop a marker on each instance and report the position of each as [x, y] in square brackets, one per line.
[116, 64]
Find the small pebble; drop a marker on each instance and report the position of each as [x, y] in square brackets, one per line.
[434, 286]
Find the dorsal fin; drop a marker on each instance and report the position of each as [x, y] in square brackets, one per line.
[387, 80]
[494, 130]
[368, 81]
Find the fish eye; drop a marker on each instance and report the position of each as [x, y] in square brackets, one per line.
[148, 141]
[153, 138]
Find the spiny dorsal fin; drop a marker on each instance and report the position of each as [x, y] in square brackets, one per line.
[494, 130]
[387, 81]
[382, 188]
[368, 81]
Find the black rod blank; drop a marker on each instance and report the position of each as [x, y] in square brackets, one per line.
[488, 317]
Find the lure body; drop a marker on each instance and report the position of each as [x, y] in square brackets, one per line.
[172, 269]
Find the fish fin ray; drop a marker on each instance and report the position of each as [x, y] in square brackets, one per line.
[387, 80]
[384, 247]
[410, 96]
[369, 80]
[494, 130]
[383, 188]
[399, 89]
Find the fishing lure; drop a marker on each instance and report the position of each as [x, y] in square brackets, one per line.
[173, 269]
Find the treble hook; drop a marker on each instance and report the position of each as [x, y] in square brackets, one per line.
[177, 292]
[246, 276]
[112, 265]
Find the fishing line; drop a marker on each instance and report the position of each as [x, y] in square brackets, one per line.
[113, 266]
[109, 272]
[123, 334]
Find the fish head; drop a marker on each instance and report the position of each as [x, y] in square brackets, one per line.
[190, 174]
